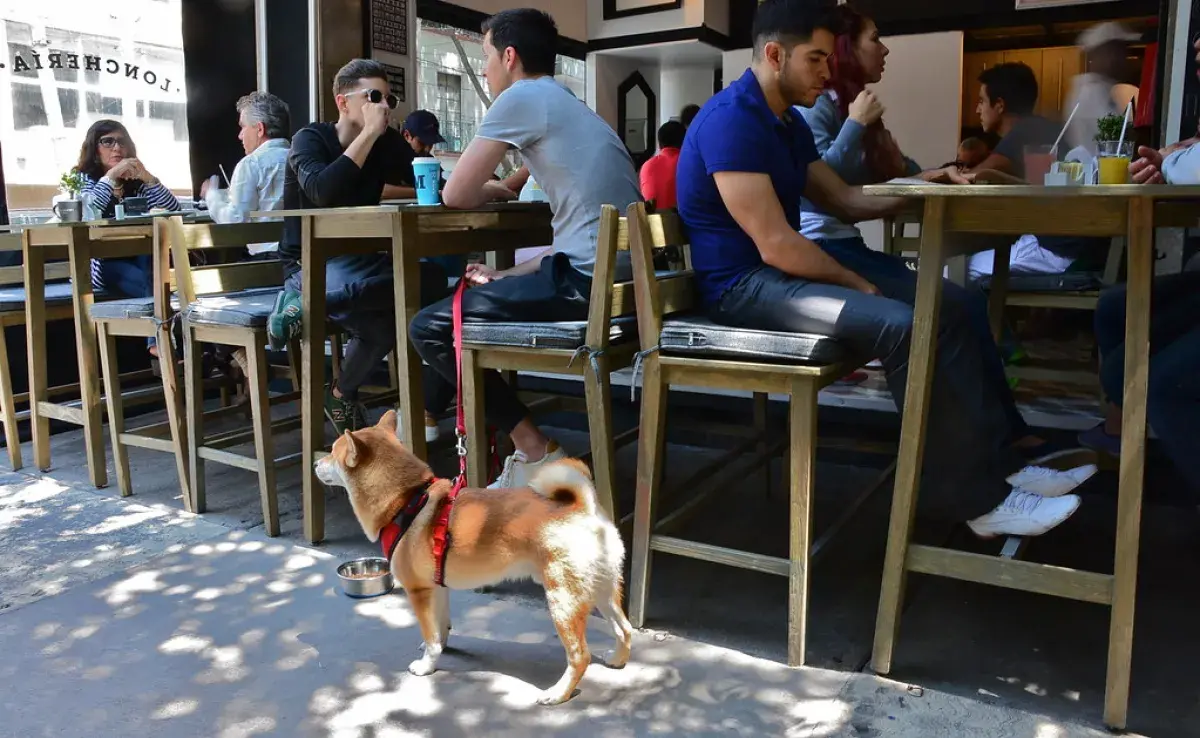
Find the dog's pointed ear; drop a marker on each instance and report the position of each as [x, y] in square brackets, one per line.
[351, 459]
[388, 421]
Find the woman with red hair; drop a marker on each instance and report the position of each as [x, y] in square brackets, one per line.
[847, 125]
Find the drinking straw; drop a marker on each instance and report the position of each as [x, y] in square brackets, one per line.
[1124, 124]
[226, 176]
[1063, 132]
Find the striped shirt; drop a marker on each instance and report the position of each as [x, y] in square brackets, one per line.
[102, 199]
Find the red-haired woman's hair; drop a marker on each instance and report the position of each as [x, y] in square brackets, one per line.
[848, 80]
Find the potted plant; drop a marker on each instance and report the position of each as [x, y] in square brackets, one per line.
[1113, 154]
[68, 206]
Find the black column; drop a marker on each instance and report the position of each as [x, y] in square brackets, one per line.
[287, 57]
[3, 193]
[219, 57]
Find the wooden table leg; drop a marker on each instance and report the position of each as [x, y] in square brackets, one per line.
[1133, 459]
[912, 432]
[312, 382]
[80, 253]
[406, 272]
[35, 341]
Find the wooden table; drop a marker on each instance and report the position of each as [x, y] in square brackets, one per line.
[410, 232]
[1128, 210]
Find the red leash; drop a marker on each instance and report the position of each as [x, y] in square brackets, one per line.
[441, 525]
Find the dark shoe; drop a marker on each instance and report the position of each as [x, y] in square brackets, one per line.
[285, 321]
[1098, 440]
[346, 415]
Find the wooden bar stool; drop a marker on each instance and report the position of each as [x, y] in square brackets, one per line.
[678, 348]
[592, 348]
[56, 298]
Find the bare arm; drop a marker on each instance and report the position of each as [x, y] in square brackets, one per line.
[848, 204]
[468, 186]
[398, 192]
[752, 202]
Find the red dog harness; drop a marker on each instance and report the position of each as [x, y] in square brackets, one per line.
[390, 536]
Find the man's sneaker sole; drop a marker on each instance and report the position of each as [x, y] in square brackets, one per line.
[1037, 487]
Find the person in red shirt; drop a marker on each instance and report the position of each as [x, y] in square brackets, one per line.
[658, 174]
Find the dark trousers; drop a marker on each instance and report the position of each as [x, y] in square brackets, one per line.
[360, 299]
[1173, 398]
[131, 276]
[968, 428]
[555, 292]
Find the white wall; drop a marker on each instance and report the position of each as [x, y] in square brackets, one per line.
[680, 86]
[691, 15]
[605, 72]
[733, 63]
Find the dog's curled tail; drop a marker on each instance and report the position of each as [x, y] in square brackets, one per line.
[569, 482]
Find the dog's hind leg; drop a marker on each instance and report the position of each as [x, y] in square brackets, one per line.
[569, 609]
[424, 606]
[610, 607]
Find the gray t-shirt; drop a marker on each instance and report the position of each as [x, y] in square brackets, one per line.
[575, 156]
[1032, 130]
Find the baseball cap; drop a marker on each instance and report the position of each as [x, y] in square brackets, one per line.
[424, 126]
[1104, 33]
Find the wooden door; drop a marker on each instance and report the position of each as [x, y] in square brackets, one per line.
[1060, 66]
[974, 63]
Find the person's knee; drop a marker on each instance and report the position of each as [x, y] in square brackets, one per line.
[427, 327]
[895, 324]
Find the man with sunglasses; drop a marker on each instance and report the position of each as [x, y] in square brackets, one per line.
[347, 164]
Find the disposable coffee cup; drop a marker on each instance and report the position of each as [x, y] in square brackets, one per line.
[427, 175]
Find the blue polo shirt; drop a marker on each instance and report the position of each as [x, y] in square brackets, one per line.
[735, 131]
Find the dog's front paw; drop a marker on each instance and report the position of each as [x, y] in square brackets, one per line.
[422, 667]
[616, 659]
[552, 697]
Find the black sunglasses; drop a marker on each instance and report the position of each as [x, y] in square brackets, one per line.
[375, 96]
[110, 142]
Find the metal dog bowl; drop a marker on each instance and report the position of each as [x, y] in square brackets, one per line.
[367, 577]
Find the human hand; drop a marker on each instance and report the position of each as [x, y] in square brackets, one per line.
[866, 108]
[866, 287]
[1147, 169]
[204, 188]
[498, 192]
[124, 170]
[376, 117]
[482, 274]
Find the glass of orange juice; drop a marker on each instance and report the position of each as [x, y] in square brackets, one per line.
[1114, 159]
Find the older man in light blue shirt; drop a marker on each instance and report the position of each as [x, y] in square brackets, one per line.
[257, 182]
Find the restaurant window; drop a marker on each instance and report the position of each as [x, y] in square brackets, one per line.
[69, 65]
[444, 85]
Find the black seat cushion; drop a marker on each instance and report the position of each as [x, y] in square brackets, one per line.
[700, 337]
[566, 334]
[1068, 282]
[127, 308]
[13, 298]
[248, 309]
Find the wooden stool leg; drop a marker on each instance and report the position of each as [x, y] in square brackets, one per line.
[12, 433]
[335, 352]
[802, 464]
[294, 354]
[598, 394]
[116, 405]
[264, 446]
[653, 419]
[35, 348]
[176, 415]
[194, 390]
[473, 410]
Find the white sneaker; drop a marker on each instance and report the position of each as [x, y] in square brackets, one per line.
[519, 470]
[1025, 514]
[432, 431]
[1047, 482]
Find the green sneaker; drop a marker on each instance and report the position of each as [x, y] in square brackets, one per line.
[346, 415]
[285, 321]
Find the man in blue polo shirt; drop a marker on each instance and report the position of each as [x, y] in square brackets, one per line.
[744, 167]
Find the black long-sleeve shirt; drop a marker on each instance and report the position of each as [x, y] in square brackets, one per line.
[319, 175]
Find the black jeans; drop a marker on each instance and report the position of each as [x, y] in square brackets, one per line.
[360, 298]
[553, 293]
[1173, 396]
[968, 428]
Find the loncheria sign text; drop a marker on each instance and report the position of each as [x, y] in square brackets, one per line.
[90, 63]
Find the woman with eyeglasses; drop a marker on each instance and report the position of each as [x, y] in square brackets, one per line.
[111, 173]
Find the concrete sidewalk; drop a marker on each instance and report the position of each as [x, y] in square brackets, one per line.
[124, 619]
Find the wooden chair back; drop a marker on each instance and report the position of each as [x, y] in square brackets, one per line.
[14, 276]
[656, 296]
[191, 282]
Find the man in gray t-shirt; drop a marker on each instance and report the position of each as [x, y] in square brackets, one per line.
[580, 163]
